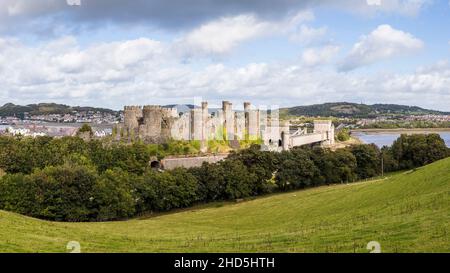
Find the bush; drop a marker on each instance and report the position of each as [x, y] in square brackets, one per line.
[169, 190]
[262, 164]
[86, 128]
[343, 135]
[296, 170]
[417, 150]
[368, 160]
[113, 196]
[19, 194]
[228, 179]
[65, 193]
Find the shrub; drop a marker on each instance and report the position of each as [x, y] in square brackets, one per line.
[417, 150]
[296, 171]
[169, 190]
[368, 160]
[65, 193]
[113, 196]
[19, 194]
[343, 135]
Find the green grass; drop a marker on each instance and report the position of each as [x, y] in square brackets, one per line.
[407, 212]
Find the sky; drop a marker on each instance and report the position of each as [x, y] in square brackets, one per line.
[111, 53]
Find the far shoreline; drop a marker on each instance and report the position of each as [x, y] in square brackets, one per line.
[401, 131]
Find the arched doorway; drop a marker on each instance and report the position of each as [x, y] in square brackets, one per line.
[156, 165]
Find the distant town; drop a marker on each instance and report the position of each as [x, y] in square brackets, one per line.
[59, 124]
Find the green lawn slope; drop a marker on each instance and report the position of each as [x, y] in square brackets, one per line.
[408, 212]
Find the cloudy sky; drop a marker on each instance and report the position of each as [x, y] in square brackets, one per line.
[112, 53]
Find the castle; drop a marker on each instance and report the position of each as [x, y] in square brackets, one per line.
[156, 124]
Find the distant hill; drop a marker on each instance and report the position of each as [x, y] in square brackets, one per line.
[11, 109]
[336, 109]
[346, 109]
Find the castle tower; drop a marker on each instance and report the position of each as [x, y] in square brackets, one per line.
[169, 115]
[247, 108]
[251, 122]
[205, 118]
[325, 127]
[285, 135]
[228, 124]
[197, 126]
[152, 118]
[132, 115]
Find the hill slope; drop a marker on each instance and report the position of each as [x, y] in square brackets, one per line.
[10, 109]
[408, 212]
[346, 109]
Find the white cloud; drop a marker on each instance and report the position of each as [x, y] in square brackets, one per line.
[145, 71]
[308, 35]
[225, 34]
[402, 7]
[383, 43]
[319, 56]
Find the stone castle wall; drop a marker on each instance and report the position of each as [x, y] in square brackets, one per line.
[158, 124]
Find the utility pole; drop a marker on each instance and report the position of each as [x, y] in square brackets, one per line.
[382, 165]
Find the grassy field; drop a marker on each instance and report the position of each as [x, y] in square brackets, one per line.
[408, 212]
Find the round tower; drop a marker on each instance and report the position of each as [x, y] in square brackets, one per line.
[132, 114]
[152, 117]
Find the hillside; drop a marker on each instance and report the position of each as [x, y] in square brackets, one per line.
[346, 109]
[408, 212]
[10, 109]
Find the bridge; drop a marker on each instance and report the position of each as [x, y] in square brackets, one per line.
[323, 134]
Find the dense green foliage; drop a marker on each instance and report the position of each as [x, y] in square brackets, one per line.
[69, 179]
[418, 150]
[405, 212]
[343, 135]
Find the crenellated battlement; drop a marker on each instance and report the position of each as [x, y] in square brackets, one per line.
[133, 108]
[152, 107]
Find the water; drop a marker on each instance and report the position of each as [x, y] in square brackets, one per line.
[387, 138]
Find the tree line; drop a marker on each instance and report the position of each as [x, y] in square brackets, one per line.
[69, 179]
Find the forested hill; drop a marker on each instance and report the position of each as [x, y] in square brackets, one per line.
[11, 109]
[346, 109]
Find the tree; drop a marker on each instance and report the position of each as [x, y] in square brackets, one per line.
[19, 194]
[169, 190]
[238, 181]
[368, 160]
[113, 196]
[85, 128]
[262, 164]
[417, 150]
[343, 135]
[65, 193]
[296, 170]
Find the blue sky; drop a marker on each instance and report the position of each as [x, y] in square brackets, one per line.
[115, 53]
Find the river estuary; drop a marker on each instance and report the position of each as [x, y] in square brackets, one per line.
[381, 138]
